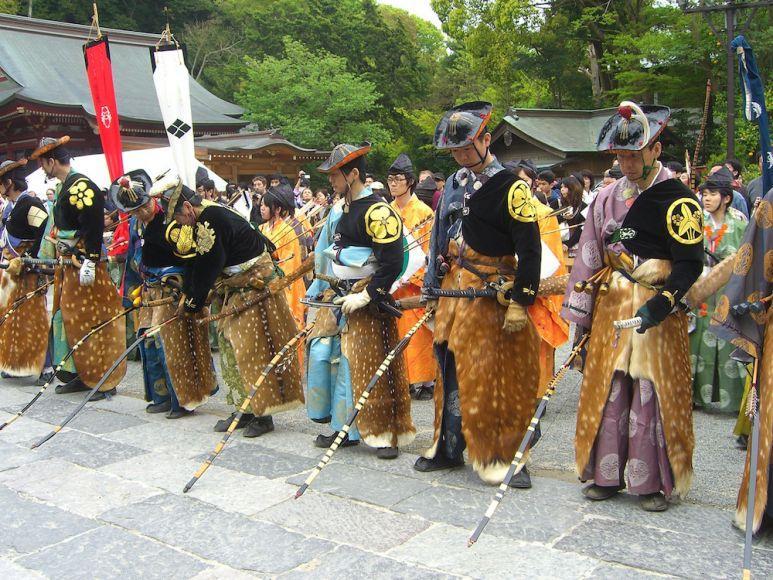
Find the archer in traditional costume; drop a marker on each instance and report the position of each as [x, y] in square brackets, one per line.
[329, 398]
[641, 249]
[417, 220]
[744, 318]
[24, 334]
[234, 261]
[177, 367]
[367, 255]
[487, 352]
[84, 294]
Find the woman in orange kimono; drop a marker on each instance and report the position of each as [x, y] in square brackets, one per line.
[417, 220]
[275, 208]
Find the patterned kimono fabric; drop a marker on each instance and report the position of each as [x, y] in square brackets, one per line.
[419, 358]
[718, 383]
[236, 392]
[289, 255]
[329, 394]
[635, 400]
[751, 281]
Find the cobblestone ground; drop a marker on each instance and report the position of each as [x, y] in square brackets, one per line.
[103, 499]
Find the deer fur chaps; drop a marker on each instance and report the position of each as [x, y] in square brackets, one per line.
[497, 372]
[661, 355]
[256, 335]
[385, 419]
[83, 308]
[24, 334]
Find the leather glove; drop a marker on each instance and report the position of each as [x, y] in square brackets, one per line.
[654, 311]
[88, 272]
[14, 267]
[352, 302]
[515, 317]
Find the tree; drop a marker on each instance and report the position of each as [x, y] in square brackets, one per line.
[140, 15]
[9, 6]
[209, 43]
[386, 46]
[582, 53]
[311, 97]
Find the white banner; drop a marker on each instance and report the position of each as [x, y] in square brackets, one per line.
[172, 81]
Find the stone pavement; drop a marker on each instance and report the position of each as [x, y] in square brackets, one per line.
[103, 499]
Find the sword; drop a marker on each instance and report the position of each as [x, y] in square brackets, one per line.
[53, 262]
[519, 461]
[409, 303]
[396, 351]
[246, 403]
[148, 333]
[625, 324]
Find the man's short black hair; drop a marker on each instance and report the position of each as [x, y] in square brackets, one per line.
[18, 183]
[356, 163]
[736, 165]
[675, 166]
[206, 183]
[60, 154]
[188, 195]
[547, 175]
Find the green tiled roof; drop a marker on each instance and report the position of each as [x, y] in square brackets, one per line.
[561, 130]
[247, 142]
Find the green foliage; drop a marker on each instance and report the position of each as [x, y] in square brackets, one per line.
[356, 69]
[417, 128]
[311, 97]
[747, 135]
[141, 15]
[9, 6]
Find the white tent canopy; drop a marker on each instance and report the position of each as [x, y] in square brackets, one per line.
[154, 161]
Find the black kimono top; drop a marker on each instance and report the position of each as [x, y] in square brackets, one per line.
[80, 207]
[499, 219]
[665, 222]
[27, 221]
[373, 224]
[222, 238]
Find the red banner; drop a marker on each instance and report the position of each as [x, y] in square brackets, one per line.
[100, 73]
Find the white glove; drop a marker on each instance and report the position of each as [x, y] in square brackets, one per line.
[352, 302]
[88, 272]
